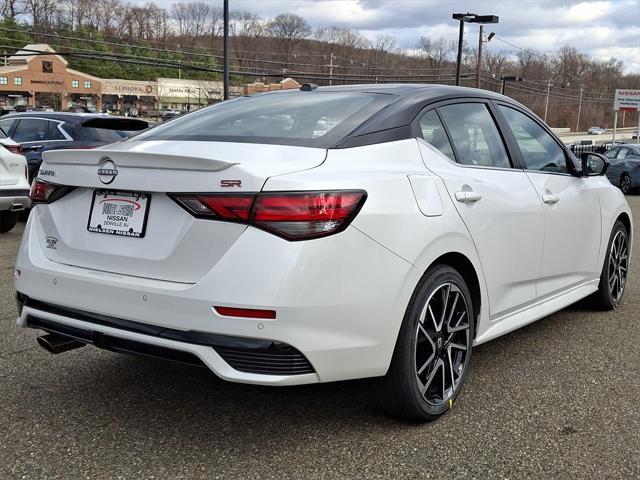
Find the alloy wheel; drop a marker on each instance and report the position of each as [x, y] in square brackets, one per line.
[441, 344]
[618, 265]
[625, 184]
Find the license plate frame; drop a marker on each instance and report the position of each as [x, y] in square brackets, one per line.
[120, 197]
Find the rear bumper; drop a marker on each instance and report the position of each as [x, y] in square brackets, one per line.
[14, 199]
[341, 318]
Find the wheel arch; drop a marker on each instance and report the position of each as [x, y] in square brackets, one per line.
[626, 221]
[465, 268]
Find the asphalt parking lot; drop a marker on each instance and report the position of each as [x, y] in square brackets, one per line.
[557, 399]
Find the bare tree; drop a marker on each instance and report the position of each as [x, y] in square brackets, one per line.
[438, 53]
[11, 8]
[245, 29]
[287, 31]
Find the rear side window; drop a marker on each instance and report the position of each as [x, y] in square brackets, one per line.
[288, 118]
[475, 135]
[540, 151]
[54, 132]
[433, 133]
[31, 130]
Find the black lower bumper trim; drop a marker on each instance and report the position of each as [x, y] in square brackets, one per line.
[250, 355]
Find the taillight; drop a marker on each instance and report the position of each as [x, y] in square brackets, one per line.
[17, 149]
[45, 192]
[290, 215]
[230, 207]
[303, 215]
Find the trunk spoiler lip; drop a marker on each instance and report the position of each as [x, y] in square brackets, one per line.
[133, 159]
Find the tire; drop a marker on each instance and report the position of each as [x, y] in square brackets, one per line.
[8, 220]
[625, 183]
[429, 366]
[613, 279]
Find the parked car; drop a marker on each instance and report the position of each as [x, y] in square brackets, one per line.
[381, 231]
[634, 135]
[14, 185]
[583, 143]
[81, 109]
[595, 131]
[624, 168]
[38, 132]
[170, 113]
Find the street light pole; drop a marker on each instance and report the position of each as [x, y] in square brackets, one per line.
[471, 18]
[460, 42]
[225, 48]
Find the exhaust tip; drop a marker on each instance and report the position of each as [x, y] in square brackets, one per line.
[55, 344]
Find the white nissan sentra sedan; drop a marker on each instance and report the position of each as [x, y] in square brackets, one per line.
[323, 234]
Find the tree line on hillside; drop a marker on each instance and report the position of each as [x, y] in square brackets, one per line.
[189, 34]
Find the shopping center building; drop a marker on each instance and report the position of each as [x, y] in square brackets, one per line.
[45, 80]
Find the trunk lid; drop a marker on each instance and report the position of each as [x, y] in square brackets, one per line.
[176, 246]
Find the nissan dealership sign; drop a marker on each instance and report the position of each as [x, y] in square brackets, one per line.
[627, 99]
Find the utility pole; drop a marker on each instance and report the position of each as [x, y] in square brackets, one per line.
[331, 69]
[579, 109]
[225, 48]
[479, 68]
[546, 102]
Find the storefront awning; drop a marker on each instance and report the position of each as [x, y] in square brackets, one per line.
[13, 93]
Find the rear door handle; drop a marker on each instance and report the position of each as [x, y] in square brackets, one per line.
[550, 199]
[468, 197]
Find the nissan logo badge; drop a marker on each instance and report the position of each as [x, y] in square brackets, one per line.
[107, 171]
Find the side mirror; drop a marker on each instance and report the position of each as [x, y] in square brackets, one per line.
[593, 164]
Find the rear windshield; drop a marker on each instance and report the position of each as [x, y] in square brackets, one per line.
[103, 134]
[314, 119]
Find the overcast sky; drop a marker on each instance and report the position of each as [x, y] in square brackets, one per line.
[603, 29]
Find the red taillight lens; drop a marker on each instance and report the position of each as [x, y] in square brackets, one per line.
[44, 192]
[230, 207]
[304, 215]
[290, 215]
[17, 149]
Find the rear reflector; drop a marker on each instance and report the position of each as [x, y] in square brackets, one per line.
[246, 312]
[290, 215]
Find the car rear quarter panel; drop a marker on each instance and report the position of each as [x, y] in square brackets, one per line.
[391, 215]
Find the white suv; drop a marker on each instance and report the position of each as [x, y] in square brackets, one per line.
[324, 234]
[14, 185]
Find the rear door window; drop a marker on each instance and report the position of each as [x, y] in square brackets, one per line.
[475, 136]
[433, 132]
[31, 130]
